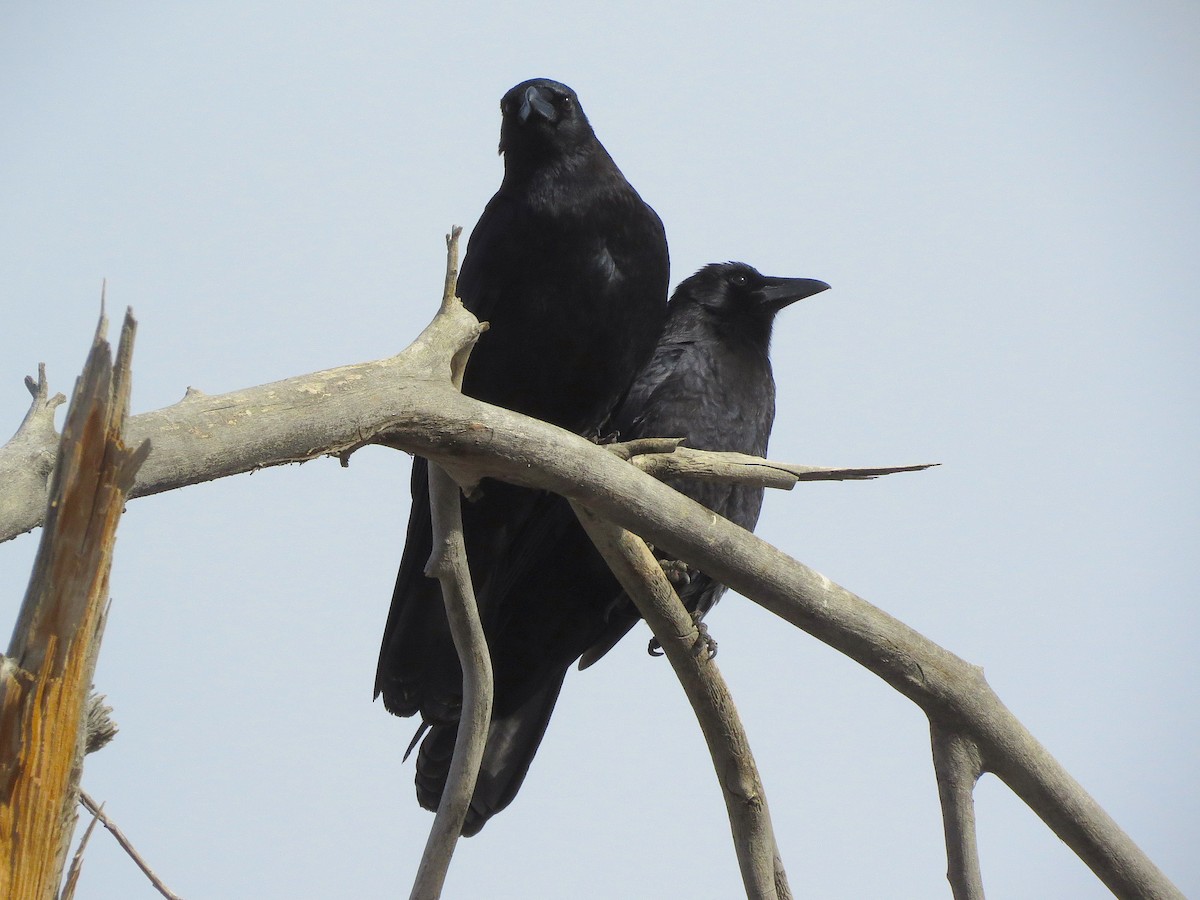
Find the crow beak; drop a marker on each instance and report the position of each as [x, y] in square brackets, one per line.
[780, 292]
[534, 102]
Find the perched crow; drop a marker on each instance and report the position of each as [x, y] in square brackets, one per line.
[569, 267]
[709, 381]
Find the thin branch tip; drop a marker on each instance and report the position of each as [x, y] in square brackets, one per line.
[72, 881]
[449, 292]
[38, 388]
[98, 812]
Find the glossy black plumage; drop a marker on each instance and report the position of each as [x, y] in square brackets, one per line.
[569, 267]
[709, 381]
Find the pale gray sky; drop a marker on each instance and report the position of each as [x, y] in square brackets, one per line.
[1005, 199]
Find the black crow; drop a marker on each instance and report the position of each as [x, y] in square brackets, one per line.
[709, 381]
[569, 267]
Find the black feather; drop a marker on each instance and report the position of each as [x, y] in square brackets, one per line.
[709, 381]
[569, 267]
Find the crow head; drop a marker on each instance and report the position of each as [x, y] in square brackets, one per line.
[737, 290]
[542, 119]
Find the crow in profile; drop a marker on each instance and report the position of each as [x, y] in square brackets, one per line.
[709, 381]
[569, 267]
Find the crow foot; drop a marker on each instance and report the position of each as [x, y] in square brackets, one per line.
[705, 642]
[602, 439]
[677, 572]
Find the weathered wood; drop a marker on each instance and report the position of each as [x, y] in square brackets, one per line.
[448, 563]
[958, 765]
[99, 815]
[739, 468]
[409, 402]
[46, 676]
[642, 577]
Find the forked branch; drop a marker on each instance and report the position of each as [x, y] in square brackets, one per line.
[448, 563]
[958, 765]
[410, 402]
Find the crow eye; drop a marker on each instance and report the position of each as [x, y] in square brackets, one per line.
[739, 280]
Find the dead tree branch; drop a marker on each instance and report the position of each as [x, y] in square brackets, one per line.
[409, 401]
[958, 765]
[738, 468]
[98, 812]
[76, 869]
[448, 563]
[27, 460]
[46, 676]
[641, 575]
[400, 401]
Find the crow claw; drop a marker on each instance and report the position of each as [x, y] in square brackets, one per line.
[705, 643]
[677, 572]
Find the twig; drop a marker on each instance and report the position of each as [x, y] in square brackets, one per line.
[448, 563]
[41, 412]
[739, 468]
[641, 575]
[92, 807]
[958, 765]
[68, 891]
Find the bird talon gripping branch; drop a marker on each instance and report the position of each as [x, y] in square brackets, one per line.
[677, 572]
[705, 642]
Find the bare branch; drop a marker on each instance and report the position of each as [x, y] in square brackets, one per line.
[27, 460]
[73, 873]
[448, 563]
[941, 683]
[212, 436]
[958, 765]
[409, 402]
[741, 468]
[41, 411]
[92, 807]
[641, 575]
